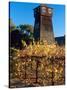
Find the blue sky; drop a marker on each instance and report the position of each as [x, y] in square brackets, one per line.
[22, 13]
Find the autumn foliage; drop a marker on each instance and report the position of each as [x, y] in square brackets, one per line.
[37, 65]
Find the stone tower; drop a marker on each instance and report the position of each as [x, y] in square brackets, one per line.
[43, 28]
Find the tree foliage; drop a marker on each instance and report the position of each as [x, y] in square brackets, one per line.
[19, 35]
[26, 27]
[12, 26]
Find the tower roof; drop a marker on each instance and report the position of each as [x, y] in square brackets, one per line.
[42, 5]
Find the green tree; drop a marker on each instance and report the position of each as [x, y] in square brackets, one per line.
[26, 27]
[28, 36]
[12, 26]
